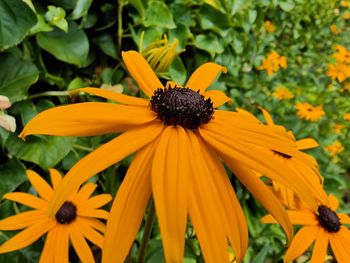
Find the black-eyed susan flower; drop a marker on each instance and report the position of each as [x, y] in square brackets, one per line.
[323, 227]
[282, 93]
[76, 221]
[273, 62]
[308, 112]
[179, 138]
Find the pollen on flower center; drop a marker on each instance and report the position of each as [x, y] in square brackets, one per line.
[328, 219]
[182, 106]
[67, 213]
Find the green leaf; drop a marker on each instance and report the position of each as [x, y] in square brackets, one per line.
[211, 18]
[71, 47]
[45, 151]
[81, 8]
[209, 43]
[158, 14]
[16, 76]
[137, 4]
[56, 17]
[15, 21]
[13, 174]
[177, 71]
[107, 45]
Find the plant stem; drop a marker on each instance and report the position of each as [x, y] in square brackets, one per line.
[81, 147]
[120, 24]
[147, 232]
[49, 93]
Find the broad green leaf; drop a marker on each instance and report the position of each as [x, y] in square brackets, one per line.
[13, 174]
[16, 76]
[81, 8]
[15, 21]
[76, 83]
[138, 5]
[209, 43]
[177, 71]
[71, 47]
[107, 45]
[158, 14]
[45, 151]
[212, 18]
[3, 136]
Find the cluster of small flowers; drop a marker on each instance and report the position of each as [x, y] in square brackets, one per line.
[273, 62]
[340, 70]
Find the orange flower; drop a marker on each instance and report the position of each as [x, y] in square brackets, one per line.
[346, 116]
[343, 55]
[269, 27]
[338, 71]
[334, 29]
[273, 62]
[282, 93]
[337, 128]
[335, 148]
[346, 15]
[344, 3]
[308, 112]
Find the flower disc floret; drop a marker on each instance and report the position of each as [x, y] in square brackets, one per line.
[67, 213]
[182, 106]
[328, 219]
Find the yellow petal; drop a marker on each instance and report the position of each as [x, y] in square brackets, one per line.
[56, 178]
[27, 236]
[204, 76]
[319, 252]
[61, 247]
[79, 243]
[206, 210]
[48, 253]
[129, 206]
[170, 173]
[87, 118]
[333, 202]
[118, 97]
[344, 218]
[89, 212]
[217, 97]
[90, 233]
[237, 230]
[302, 240]
[100, 159]
[94, 223]
[85, 192]
[142, 72]
[296, 217]
[344, 236]
[267, 116]
[260, 191]
[22, 220]
[97, 201]
[27, 199]
[307, 143]
[342, 254]
[40, 185]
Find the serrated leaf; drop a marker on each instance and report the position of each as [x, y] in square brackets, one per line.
[81, 8]
[158, 14]
[45, 151]
[16, 76]
[13, 174]
[15, 14]
[71, 47]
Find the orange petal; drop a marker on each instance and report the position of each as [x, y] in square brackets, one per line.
[94, 223]
[89, 212]
[27, 236]
[333, 202]
[129, 207]
[61, 245]
[296, 217]
[87, 118]
[56, 178]
[302, 240]
[40, 185]
[22, 220]
[142, 72]
[48, 253]
[90, 233]
[267, 116]
[98, 201]
[204, 76]
[320, 248]
[307, 143]
[79, 243]
[344, 218]
[27, 199]
[340, 250]
[170, 174]
[103, 157]
[85, 192]
[117, 97]
[217, 97]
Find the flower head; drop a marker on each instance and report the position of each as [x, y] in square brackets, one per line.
[282, 93]
[319, 227]
[273, 62]
[337, 128]
[335, 148]
[343, 55]
[269, 27]
[308, 112]
[334, 29]
[180, 139]
[347, 116]
[75, 221]
[338, 71]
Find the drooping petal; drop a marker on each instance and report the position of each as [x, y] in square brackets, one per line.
[142, 72]
[340, 251]
[48, 253]
[205, 209]
[204, 76]
[262, 193]
[170, 173]
[28, 200]
[307, 143]
[79, 243]
[62, 244]
[56, 177]
[27, 236]
[217, 97]
[90, 233]
[87, 118]
[296, 217]
[40, 185]
[129, 206]
[118, 97]
[319, 252]
[302, 240]
[237, 230]
[22, 220]
[101, 158]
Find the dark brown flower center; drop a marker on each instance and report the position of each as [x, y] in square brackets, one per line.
[328, 219]
[67, 213]
[182, 106]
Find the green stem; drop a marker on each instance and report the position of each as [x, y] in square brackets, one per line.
[49, 93]
[120, 24]
[147, 233]
[81, 147]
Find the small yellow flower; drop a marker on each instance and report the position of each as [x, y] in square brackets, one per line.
[273, 62]
[338, 71]
[337, 128]
[347, 116]
[334, 148]
[346, 15]
[344, 3]
[335, 30]
[343, 55]
[269, 27]
[308, 112]
[282, 93]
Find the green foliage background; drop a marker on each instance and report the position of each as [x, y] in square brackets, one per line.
[50, 47]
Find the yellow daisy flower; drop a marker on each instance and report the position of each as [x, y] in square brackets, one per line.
[179, 139]
[334, 29]
[308, 112]
[321, 228]
[337, 128]
[338, 71]
[335, 148]
[344, 3]
[269, 27]
[273, 62]
[282, 93]
[343, 55]
[347, 116]
[346, 15]
[75, 221]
